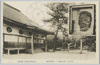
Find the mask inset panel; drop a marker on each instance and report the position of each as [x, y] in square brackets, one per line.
[82, 20]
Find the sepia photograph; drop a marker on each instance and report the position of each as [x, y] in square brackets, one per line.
[50, 32]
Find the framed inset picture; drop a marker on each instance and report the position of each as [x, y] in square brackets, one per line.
[82, 20]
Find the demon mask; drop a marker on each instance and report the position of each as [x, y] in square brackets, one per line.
[84, 20]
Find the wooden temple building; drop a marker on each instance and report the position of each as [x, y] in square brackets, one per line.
[19, 35]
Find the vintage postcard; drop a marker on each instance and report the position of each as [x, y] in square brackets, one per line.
[50, 32]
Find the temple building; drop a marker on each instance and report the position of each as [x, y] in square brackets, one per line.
[18, 35]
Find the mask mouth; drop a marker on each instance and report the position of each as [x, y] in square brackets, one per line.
[84, 29]
[84, 26]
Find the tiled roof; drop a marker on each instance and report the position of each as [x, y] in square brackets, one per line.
[16, 15]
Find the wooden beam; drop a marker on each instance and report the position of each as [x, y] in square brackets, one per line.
[32, 47]
[16, 35]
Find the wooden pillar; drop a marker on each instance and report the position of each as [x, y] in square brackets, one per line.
[18, 51]
[81, 46]
[45, 46]
[32, 47]
[18, 41]
[68, 46]
[3, 43]
[8, 51]
[45, 41]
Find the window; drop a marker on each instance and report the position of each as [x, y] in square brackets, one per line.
[11, 38]
[28, 40]
[9, 29]
[22, 39]
[20, 32]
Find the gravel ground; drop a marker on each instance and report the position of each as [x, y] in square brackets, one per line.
[75, 55]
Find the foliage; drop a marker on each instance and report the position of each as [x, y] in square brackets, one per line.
[58, 17]
[90, 41]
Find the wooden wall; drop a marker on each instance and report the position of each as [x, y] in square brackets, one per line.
[14, 39]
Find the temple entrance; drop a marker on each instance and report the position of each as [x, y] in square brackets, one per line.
[39, 45]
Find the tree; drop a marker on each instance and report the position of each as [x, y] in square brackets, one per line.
[58, 17]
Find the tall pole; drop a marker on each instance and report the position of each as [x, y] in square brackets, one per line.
[81, 46]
